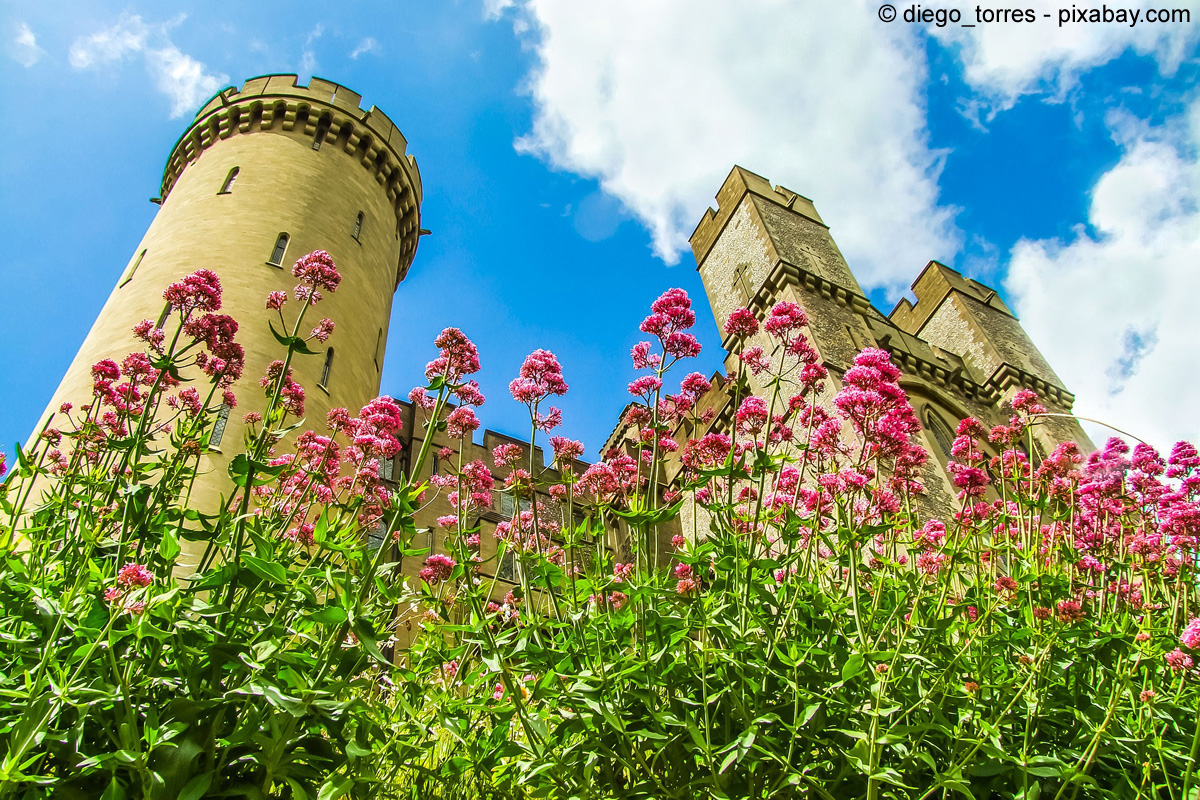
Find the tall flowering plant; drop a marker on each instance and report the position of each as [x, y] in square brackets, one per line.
[155, 649]
[746, 599]
[809, 631]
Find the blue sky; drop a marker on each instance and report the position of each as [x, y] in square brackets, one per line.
[567, 151]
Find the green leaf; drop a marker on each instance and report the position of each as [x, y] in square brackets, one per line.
[321, 528]
[211, 579]
[334, 787]
[853, 666]
[168, 546]
[115, 791]
[196, 787]
[329, 615]
[267, 570]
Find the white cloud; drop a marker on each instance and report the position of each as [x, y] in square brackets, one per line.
[127, 36]
[1115, 310]
[657, 101]
[1006, 60]
[367, 45]
[184, 80]
[25, 50]
[308, 57]
[493, 9]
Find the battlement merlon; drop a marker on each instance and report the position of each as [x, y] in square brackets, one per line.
[739, 182]
[323, 111]
[931, 287]
[965, 317]
[333, 96]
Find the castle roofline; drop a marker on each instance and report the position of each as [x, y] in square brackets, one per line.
[737, 185]
[323, 111]
[932, 285]
[319, 90]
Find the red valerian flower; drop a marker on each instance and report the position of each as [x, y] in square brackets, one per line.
[786, 317]
[741, 322]
[438, 567]
[200, 291]
[458, 358]
[317, 271]
[134, 575]
[1190, 638]
[565, 449]
[752, 415]
[461, 423]
[540, 376]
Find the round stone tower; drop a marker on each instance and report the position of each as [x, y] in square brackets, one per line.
[264, 175]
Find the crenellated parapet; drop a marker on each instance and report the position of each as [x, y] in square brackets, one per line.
[740, 182]
[323, 114]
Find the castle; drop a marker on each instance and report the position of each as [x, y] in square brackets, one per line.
[273, 170]
[263, 175]
[961, 349]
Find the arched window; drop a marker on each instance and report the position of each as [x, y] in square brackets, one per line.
[218, 431]
[280, 248]
[137, 262]
[227, 186]
[357, 226]
[940, 430]
[325, 370]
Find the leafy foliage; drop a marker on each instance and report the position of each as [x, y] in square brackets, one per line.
[805, 633]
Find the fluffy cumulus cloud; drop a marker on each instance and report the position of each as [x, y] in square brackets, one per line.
[184, 80]
[1006, 60]
[1114, 308]
[658, 101]
[25, 50]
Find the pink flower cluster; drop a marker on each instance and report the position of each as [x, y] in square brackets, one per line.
[316, 271]
[438, 568]
[611, 480]
[507, 455]
[457, 359]
[670, 316]
[291, 394]
[540, 376]
[134, 575]
[741, 323]
[752, 416]
[461, 423]
[200, 291]
[565, 450]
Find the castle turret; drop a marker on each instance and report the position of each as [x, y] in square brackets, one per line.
[764, 244]
[964, 317]
[961, 350]
[262, 176]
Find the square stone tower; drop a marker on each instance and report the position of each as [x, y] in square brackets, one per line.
[961, 349]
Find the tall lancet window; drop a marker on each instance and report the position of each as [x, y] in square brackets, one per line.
[227, 186]
[941, 431]
[325, 370]
[280, 249]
